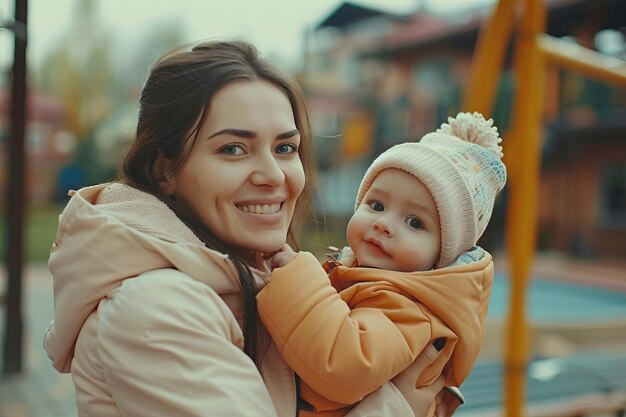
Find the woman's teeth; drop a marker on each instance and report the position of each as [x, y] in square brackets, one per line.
[260, 208]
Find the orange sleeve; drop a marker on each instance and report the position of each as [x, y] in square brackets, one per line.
[344, 346]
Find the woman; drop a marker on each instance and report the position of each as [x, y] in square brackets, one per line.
[155, 276]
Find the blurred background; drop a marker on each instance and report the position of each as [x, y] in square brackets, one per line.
[375, 73]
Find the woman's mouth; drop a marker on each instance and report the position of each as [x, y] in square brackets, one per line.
[260, 208]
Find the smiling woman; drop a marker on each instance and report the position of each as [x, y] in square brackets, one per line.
[203, 139]
[244, 179]
[155, 275]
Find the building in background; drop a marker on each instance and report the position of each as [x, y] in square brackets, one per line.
[48, 145]
[374, 79]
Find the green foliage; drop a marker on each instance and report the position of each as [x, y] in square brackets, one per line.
[316, 238]
[41, 226]
[39, 229]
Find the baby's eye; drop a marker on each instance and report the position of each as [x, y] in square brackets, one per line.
[414, 222]
[376, 205]
[232, 149]
[286, 148]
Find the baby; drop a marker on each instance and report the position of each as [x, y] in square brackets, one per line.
[412, 273]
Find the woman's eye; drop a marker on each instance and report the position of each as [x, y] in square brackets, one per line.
[232, 149]
[414, 223]
[286, 148]
[376, 205]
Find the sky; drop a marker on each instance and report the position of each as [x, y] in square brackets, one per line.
[275, 26]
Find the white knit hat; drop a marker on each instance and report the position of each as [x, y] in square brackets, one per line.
[461, 166]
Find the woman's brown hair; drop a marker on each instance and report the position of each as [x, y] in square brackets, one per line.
[174, 104]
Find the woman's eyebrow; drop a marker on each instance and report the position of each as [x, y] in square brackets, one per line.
[235, 132]
[248, 134]
[289, 134]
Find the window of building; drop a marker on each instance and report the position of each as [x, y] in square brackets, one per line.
[613, 197]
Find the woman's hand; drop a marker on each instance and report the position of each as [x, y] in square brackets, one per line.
[283, 256]
[421, 400]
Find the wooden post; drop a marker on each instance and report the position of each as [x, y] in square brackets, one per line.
[487, 61]
[523, 189]
[16, 197]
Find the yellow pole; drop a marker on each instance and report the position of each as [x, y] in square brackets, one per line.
[523, 149]
[522, 205]
[491, 46]
[583, 60]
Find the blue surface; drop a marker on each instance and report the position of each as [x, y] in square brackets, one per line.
[552, 380]
[548, 381]
[560, 301]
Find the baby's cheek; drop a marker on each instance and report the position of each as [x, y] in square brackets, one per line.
[414, 260]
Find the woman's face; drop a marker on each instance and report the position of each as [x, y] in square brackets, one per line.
[243, 175]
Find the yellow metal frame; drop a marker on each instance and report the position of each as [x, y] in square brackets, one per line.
[534, 50]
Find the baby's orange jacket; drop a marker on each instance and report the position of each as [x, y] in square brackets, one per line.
[347, 336]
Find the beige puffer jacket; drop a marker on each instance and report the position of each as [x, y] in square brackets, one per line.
[147, 319]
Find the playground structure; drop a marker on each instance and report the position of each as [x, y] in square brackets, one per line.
[525, 20]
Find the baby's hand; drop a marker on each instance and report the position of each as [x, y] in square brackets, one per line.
[283, 256]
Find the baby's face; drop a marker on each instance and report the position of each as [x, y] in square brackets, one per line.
[396, 226]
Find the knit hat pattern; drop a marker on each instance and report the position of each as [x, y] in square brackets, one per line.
[461, 165]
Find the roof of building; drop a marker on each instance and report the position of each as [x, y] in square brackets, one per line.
[424, 29]
[348, 13]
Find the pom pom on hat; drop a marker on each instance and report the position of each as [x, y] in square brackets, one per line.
[461, 166]
[472, 127]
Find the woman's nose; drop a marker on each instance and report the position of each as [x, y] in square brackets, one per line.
[382, 225]
[268, 172]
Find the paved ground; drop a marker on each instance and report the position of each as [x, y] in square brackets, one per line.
[41, 392]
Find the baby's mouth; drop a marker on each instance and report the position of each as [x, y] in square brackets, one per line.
[260, 208]
[376, 244]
